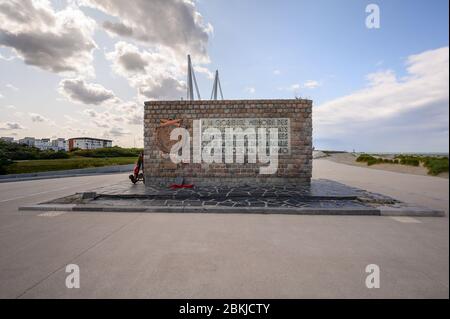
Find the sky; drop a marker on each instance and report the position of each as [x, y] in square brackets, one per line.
[85, 67]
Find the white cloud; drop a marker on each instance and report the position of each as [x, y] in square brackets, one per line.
[133, 113]
[116, 132]
[129, 113]
[38, 118]
[135, 119]
[2, 57]
[90, 112]
[276, 72]
[155, 74]
[70, 119]
[56, 41]
[250, 90]
[35, 117]
[77, 90]
[292, 87]
[76, 130]
[168, 30]
[128, 60]
[414, 106]
[204, 70]
[101, 124]
[163, 88]
[9, 107]
[9, 126]
[311, 84]
[174, 24]
[12, 87]
[295, 87]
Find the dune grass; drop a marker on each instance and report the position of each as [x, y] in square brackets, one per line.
[34, 166]
[434, 164]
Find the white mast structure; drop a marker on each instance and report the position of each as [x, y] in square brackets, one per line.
[191, 81]
[215, 86]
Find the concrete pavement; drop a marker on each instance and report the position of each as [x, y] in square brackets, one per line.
[426, 191]
[66, 173]
[232, 256]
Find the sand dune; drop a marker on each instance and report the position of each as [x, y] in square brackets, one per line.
[350, 159]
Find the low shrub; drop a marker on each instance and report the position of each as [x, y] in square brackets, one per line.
[364, 158]
[409, 160]
[436, 165]
[53, 155]
[4, 163]
[372, 160]
[21, 152]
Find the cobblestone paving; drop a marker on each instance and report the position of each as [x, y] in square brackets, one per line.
[319, 188]
[321, 194]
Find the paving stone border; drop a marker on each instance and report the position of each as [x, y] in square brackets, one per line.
[323, 197]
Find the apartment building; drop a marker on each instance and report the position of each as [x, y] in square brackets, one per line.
[60, 144]
[87, 143]
[7, 139]
[43, 144]
[27, 141]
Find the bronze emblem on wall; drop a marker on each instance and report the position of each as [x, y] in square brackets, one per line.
[163, 141]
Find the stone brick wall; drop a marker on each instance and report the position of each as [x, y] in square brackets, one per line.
[295, 167]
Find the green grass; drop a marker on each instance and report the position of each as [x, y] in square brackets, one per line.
[108, 152]
[434, 164]
[371, 160]
[65, 164]
[410, 160]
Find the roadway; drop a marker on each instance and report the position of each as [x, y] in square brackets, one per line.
[157, 255]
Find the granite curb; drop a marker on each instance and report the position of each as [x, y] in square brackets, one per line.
[379, 211]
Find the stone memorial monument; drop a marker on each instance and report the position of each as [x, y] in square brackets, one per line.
[230, 142]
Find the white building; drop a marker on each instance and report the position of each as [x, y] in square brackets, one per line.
[27, 140]
[43, 144]
[88, 143]
[60, 144]
[7, 139]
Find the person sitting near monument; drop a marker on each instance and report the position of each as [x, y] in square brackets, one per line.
[136, 176]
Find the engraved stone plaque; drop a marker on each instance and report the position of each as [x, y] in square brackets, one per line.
[282, 124]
